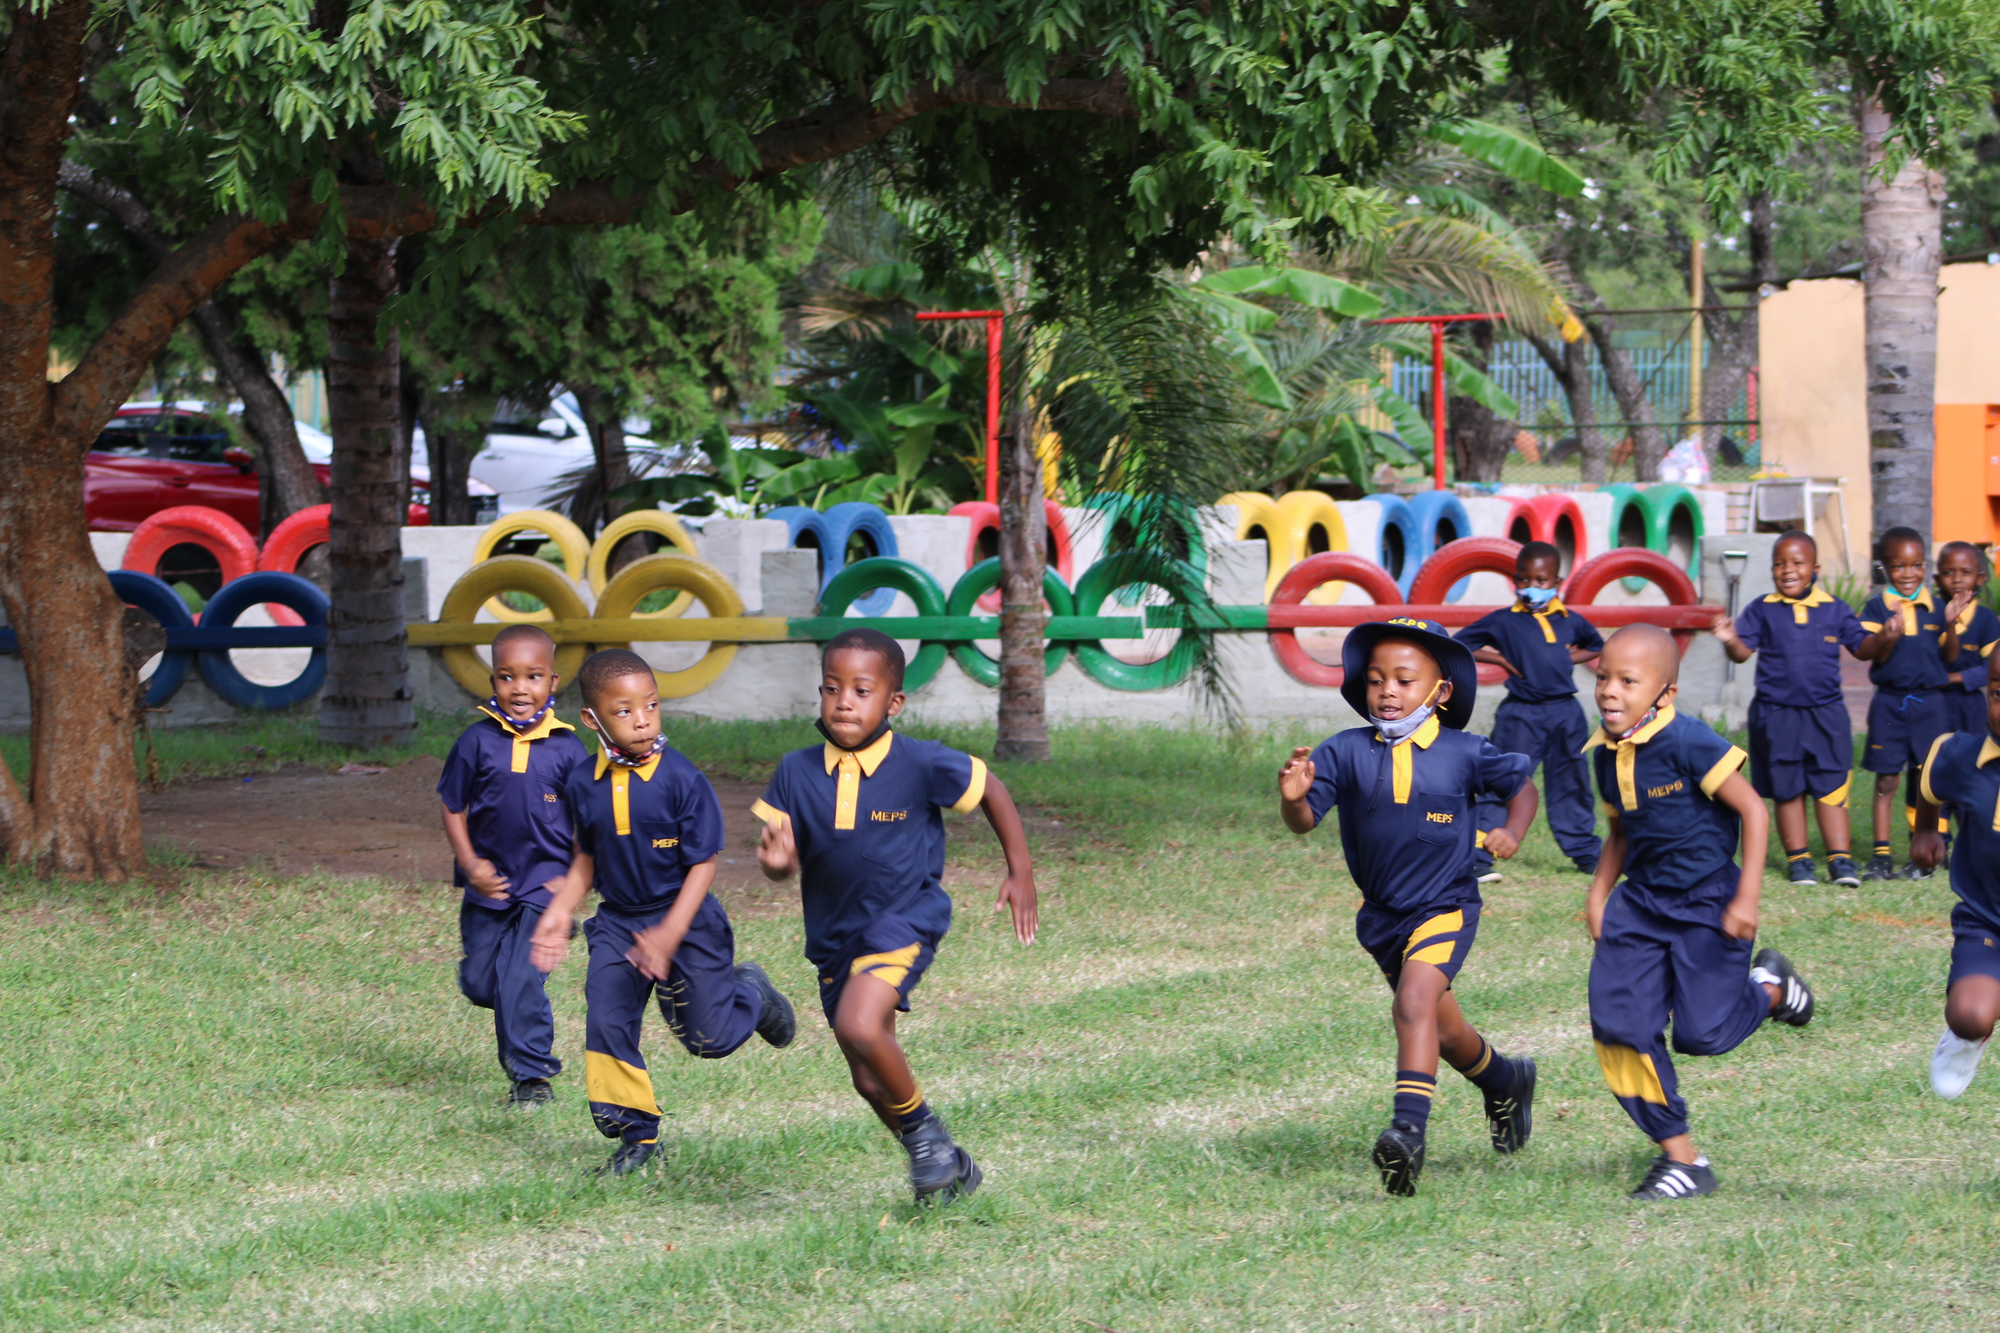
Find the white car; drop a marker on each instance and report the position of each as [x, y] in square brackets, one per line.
[529, 466]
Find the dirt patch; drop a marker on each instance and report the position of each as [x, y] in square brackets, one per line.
[297, 820]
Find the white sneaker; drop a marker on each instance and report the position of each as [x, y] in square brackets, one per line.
[1489, 877]
[1953, 1064]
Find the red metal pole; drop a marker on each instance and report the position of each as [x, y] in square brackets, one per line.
[992, 318]
[1437, 404]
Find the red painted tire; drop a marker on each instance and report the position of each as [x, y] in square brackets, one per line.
[1299, 581]
[1522, 524]
[1455, 560]
[1629, 562]
[985, 516]
[1558, 520]
[288, 544]
[234, 549]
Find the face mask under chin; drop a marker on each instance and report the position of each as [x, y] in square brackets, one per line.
[1402, 728]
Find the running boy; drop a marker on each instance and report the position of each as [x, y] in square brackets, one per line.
[503, 814]
[1675, 941]
[1961, 568]
[1800, 741]
[1960, 773]
[648, 847]
[1909, 643]
[1538, 642]
[1405, 786]
[860, 821]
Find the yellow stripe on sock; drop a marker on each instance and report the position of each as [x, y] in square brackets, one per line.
[904, 1108]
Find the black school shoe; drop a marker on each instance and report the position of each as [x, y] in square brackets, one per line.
[629, 1158]
[1512, 1119]
[940, 1170]
[1668, 1179]
[1795, 1001]
[529, 1094]
[779, 1022]
[1399, 1156]
[1880, 867]
[1585, 865]
[1842, 871]
[1801, 871]
[1915, 871]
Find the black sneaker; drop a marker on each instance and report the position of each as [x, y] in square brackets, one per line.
[1399, 1156]
[1841, 870]
[1914, 871]
[1880, 867]
[1801, 871]
[629, 1158]
[1584, 865]
[939, 1169]
[778, 1023]
[530, 1093]
[1512, 1119]
[1668, 1179]
[1795, 1001]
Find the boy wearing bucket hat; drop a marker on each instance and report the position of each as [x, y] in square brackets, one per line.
[1407, 787]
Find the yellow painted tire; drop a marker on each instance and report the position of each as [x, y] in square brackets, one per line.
[705, 583]
[567, 536]
[598, 568]
[1298, 514]
[477, 589]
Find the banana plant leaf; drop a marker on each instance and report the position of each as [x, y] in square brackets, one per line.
[1510, 154]
[1464, 379]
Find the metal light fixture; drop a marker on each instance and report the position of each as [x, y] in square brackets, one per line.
[1733, 565]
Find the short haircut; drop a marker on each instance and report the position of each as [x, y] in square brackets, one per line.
[1978, 555]
[869, 641]
[516, 633]
[1895, 537]
[1794, 535]
[600, 669]
[1537, 551]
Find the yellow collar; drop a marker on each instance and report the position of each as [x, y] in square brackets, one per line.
[870, 758]
[645, 770]
[1892, 599]
[1639, 737]
[1422, 736]
[1988, 752]
[1555, 607]
[1817, 597]
[546, 727]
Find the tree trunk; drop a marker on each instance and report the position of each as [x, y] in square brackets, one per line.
[286, 482]
[589, 507]
[450, 455]
[1649, 441]
[1733, 336]
[1479, 439]
[1900, 248]
[367, 699]
[1024, 724]
[1569, 362]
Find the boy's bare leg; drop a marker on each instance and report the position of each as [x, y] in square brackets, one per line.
[1885, 805]
[865, 1026]
[1792, 823]
[1429, 1022]
[1833, 829]
[1972, 1007]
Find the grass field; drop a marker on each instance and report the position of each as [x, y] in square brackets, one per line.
[232, 1102]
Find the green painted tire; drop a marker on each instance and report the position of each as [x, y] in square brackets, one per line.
[1115, 505]
[1102, 582]
[1628, 521]
[1662, 504]
[975, 583]
[882, 571]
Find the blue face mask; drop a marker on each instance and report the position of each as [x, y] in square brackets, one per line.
[1403, 728]
[1537, 598]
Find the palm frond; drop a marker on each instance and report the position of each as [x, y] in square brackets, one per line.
[1453, 258]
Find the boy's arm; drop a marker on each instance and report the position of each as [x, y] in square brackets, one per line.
[1610, 864]
[1948, 641]
[653, 948]
[1586, 644]
[1504, 841]
[1494, 657]
[1740, 917]
[550, 944]
[1882, 635]
[1926, 844]
[1017, 890]
[483, 875]
[1294, 783]
[1726, 633]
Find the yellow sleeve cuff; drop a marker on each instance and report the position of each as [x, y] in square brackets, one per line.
[1724, 769]
[1924, 782]
[1987, 651]
[975, 790]
[1871, 625]
[1609, 809]
[769, 813]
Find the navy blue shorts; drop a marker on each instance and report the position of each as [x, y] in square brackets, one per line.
[889, 948]
[1965, 710]
[1901, 727]
[1801, 752]
[1975, 946]
[1440, 934]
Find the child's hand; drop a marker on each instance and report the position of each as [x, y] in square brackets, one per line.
[653, 950]
[1296, 778]
[486, 878]
[1892, 628]
[1017, 892]
[1593, 919]
[1501, 843]
[778, 851]
[550, 944]
[1739, 919]
[1955, 677]
[1724, 629]
[1957, 606]
[1927, 848]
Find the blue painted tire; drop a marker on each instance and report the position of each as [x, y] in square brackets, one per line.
[238, 596]
[1401, 541]
[852, 585]
[1443, 519]
[810, 533]
[845, 522]
[152, 595]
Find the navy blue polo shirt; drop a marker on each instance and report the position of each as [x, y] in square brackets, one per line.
[1978, 634]
[508, 784]
[1918, 661]
[1798, 642]
[1406, 810]
[869, 825]
[1962, 776]
[646, 827]
[1661, 786]
[1538, 642]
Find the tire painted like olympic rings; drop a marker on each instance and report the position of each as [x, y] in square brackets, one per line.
[704, 583]
[1634, 566]
[852, 584]
[478, 587]
[976, 583]
[151, 594]
[569, 539]
[597, 568]
[304, 599]
[1298, 583]
[1100, 583]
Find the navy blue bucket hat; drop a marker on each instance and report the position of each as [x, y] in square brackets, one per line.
[1454, 661]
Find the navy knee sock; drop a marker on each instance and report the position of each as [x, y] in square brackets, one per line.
[1414, 1091]
[1491, 1073]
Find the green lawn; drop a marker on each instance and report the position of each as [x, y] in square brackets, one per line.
[236, 1102]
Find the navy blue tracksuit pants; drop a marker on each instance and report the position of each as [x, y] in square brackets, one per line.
[1661, 956]
[1552, 734]
[497, 973]
[709, 1011]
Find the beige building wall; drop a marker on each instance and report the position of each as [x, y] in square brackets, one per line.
[1812, 382]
